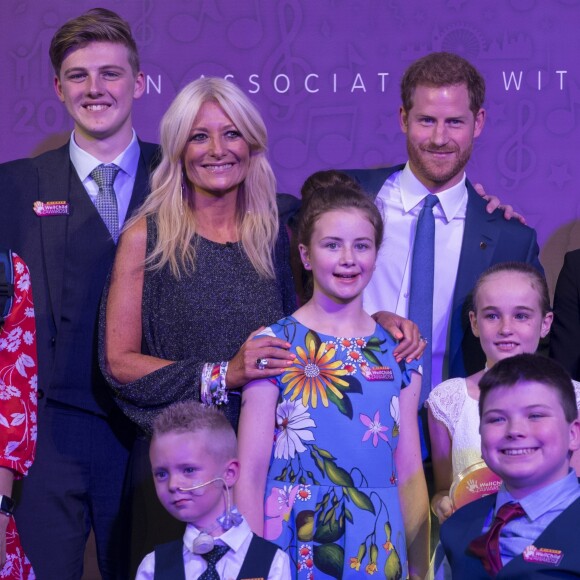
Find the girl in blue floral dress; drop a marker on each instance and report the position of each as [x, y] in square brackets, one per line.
[329, 451]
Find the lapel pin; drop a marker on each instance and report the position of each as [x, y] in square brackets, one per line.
[542, 555]
[482, 245]
[49, 208]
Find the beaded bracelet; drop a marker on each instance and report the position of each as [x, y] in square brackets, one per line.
[213, 384]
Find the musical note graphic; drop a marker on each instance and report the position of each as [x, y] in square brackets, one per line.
[330, 130]
[283, 62]
[185, 27]
[143, 30]
[563, 121]
[516, 159]
[247, 32]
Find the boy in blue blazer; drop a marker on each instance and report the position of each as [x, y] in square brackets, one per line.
[529, 430]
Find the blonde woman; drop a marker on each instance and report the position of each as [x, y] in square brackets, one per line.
[202, 265]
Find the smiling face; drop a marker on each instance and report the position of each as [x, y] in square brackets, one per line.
[97, 85]
[341, 254]
[217, 157]
[509, 318]
[440, 129]
[525, 437]
[182, 460]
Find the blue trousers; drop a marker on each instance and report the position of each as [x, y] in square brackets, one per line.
[76, 483]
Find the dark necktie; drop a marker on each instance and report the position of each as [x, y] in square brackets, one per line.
[106, 202]
[486, 547]
[422, 275]
[212, 559]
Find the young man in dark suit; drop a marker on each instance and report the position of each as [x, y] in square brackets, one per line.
[63, 210]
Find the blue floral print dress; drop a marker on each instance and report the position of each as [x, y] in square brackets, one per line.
[332, 501]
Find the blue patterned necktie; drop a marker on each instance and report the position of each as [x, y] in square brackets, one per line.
[106, 202]
[422, 275]
[212, 559]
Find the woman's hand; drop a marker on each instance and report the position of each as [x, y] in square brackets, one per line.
[411, 343]
[273, 352]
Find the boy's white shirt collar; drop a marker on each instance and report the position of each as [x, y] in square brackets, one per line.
[84, 162]
[542, 500]
[234, 537]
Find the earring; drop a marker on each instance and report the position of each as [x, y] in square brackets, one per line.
[307, 264]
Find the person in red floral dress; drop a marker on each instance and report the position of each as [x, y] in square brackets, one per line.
[18, 377]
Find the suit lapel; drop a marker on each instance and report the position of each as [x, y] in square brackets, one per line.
[54, 176]
[480, 237]
[557, 536]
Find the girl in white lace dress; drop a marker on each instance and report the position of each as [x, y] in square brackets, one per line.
[511, 312]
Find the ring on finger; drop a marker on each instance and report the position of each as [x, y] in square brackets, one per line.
[423, 339]
[261, 363]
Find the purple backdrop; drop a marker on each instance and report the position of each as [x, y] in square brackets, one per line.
[325, 75]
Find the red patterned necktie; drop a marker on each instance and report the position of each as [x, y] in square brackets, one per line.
[486, 547]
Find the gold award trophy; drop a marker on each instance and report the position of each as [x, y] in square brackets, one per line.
[476, 481]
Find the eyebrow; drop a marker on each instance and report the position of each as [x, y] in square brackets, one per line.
[203, 128]
[522, 307]
[527, 408]
[339, 239]
[103, 67]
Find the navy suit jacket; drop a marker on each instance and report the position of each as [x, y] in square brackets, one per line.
[42, 242]
[487, 239]
[467, 523]
[565, 334]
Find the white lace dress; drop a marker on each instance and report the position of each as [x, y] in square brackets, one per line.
[450, 404]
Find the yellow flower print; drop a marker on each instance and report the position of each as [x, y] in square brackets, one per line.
[371, 568]
[313, 372]
[355, 564]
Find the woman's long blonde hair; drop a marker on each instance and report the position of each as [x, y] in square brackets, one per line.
[174, 214]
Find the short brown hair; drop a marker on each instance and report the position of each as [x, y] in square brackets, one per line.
[192, 417]
[530, 367]
[96, 25]
[441, 69]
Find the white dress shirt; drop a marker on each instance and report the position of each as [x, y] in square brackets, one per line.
[228, 567]
[127, 161]
[400, 200]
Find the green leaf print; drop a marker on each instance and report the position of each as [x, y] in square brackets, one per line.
[323, 452]
[375, 343]
[354, 385]
[344, 405]
[329, 531]
[337, 474]
[370, 356]
[329, 559]
[360, 499]
[319, 462]
[393, 569]
[312, 336]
